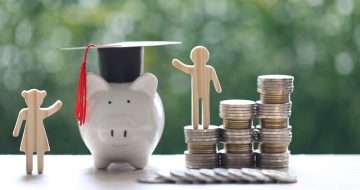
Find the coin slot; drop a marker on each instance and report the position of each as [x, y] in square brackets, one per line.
[112, 133]
[125, 133]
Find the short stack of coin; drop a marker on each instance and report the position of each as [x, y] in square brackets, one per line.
[237, 133]
[201, 144]
[274, 110]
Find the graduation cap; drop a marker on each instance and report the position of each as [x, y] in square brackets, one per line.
[120, 62]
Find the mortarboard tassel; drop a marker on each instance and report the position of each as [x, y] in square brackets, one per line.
[80, 98]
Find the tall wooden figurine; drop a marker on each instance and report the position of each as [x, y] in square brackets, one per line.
[201, 76]
[34, 138]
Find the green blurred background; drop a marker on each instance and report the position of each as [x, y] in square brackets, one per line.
[316, 41]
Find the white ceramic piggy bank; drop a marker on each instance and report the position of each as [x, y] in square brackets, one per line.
[124, 121]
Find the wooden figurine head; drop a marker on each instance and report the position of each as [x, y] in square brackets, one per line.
[34, 97]
[199, 55]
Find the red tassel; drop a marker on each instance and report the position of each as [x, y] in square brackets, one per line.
[80, 98]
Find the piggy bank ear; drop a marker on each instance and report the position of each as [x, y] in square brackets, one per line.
[146, 83]
[95, 83]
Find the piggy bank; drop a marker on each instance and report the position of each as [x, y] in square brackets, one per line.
[124, 121]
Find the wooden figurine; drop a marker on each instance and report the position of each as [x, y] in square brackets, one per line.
[201, 75]
[34, 138]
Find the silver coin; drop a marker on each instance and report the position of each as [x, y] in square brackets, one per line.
[237, 109]
[235, 141]
[168, 177]
[225, 173]
[212, 174]
[198, 176]
[281, 177]
[260, 104]
[237, 102]
[153, 179]
[256, 174]
[229, 117]
[237, 114]
[273, 129]
[241, 176]
[181, 175]
[276, 133]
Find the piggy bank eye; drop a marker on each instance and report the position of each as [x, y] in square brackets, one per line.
[109, 102]
[128, 101]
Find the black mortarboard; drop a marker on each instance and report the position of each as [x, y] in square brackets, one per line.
[119, 63]
[124, 61]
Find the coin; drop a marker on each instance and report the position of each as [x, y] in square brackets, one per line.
[210, 173]
[201, 136]
[275, 84]
[275, 98]
[168, 177]
[153, 179]
[273, 148]
[257, 174]
[198, 176]
[280, 177]
[182, 175]
[244, 160]
[237, 103]
[241, 176]
[238, 148]
[225, 173]
[197, 161]
[272, 160]
[201, 149]
[237, 109]
[237, 124]
[274, 123]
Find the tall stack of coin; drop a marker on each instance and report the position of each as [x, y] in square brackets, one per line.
[237, 133]
[201, 144]
[274, 110]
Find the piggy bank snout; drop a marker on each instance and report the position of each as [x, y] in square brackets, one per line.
[118, 133]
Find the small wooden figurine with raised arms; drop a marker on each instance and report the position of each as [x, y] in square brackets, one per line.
[201, 75]
[34, 138]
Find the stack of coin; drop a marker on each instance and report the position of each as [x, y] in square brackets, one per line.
[275, 89]
[274, 110]
[201, 144]
[273, 160]
[237, 133]
[237, 114]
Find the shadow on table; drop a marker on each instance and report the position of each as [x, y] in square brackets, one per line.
[31, 178]
[114, 172]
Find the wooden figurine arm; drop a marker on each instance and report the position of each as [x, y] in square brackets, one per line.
[20, 119]
[182, 67]
[215, 80]
[52, 109]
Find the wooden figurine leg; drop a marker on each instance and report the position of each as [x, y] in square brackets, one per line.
[205, 113]
[195, 112]
[40, 162]
[29, 162]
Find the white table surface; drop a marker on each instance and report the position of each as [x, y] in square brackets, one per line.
[77, 172]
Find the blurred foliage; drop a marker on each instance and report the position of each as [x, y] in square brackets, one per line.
[316, 41]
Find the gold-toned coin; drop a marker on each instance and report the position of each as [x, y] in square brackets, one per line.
[274, 123]
[273, 148]
[237, 124]
[201, 149]
[238, 148]
[275, 98]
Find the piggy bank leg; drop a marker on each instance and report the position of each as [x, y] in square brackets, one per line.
[100, 162]
[140, 162]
